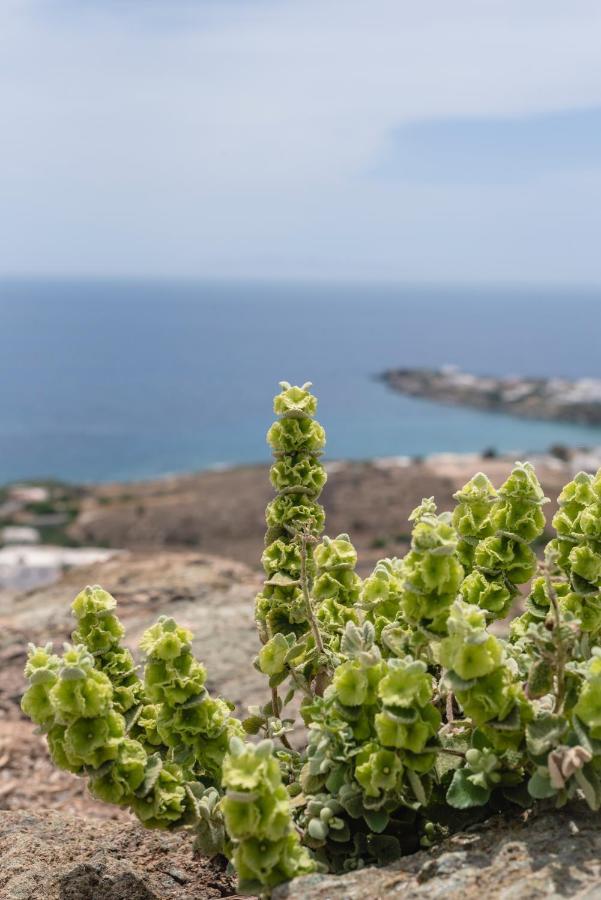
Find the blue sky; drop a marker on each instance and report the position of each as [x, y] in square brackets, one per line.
[429, 141]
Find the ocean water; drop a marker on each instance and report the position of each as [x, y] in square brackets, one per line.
[128, 380]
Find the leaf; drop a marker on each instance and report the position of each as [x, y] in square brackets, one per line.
[456, 683]
[131, 717]
[376, 819]
[545, 733]
[418, 788]
[540, 679]
[462, 794]
[295, 651]
[253, 724]
[540, 787]
[196, 700]
[154, 764]
[72, 673]
[590, 787]
[335, 780]
[582, 734]
[276, 680]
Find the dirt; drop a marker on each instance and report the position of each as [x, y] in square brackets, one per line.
[223, 512]
[53, 856]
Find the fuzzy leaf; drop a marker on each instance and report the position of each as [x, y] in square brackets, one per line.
[462, 794]
[545, 733]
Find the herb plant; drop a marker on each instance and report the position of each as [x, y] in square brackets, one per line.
[417, 718]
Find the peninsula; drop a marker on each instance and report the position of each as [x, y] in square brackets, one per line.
[556, 399]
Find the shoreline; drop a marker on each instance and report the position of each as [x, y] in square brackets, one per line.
[548, 399]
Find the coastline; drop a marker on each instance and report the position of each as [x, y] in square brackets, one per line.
[221, 511]
[577, 402]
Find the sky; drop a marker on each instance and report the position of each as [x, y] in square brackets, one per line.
[428, 141]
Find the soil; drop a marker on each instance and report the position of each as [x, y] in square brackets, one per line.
[223, 512]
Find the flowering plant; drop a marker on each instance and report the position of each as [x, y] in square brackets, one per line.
[417, 717]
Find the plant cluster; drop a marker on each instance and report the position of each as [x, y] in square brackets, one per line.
[418, 718]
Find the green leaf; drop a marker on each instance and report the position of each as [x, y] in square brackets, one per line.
[545, 733]
[253, 724]
[376, 819]
[588, 782]
[582, 734]
[456, 683]
[462, 794]
[418, 788]
[540, 786]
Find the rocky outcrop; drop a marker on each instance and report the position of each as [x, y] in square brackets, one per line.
[556, 399]
[557, 854]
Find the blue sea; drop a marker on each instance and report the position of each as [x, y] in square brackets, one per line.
[116, 380]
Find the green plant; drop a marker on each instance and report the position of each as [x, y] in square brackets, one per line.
[419, 719]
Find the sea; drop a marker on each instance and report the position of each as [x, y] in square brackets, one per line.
[125, 380]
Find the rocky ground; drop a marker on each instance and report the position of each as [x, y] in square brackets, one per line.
[48, 855]
[553, 855]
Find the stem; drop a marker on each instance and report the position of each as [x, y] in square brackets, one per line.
[450, 714]
[448, 750]
[305, 588]
[561, 656]
[276, 707]
[321, 679]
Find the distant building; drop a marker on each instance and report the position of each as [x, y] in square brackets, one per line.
[28, 493]
[19, 534]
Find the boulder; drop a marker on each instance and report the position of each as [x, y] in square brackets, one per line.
[555, 854]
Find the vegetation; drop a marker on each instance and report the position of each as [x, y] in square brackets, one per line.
[418, 719]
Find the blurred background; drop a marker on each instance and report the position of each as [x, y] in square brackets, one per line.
[398, 201]
[200, 198]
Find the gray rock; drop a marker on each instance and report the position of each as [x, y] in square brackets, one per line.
[554, 855]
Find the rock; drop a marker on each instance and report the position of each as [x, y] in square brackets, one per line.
[52, 856]
[213, 597]
[556, 854]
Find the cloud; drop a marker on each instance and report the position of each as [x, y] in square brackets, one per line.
[252, 138]
[494, 150]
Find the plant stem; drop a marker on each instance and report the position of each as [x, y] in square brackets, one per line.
[276, 707]
[561, 656]
[305, 589]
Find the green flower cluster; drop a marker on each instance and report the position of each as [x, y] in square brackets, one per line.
[100, 631]
[471, 516]
[577, 548]
[337, 587]
[144, 745]
[73, 702]
[588, 708]
[431, 570]
[256, 809]
[485, 685]
[381, 594]
[194, 724]
[298, 476]
[496, 536]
